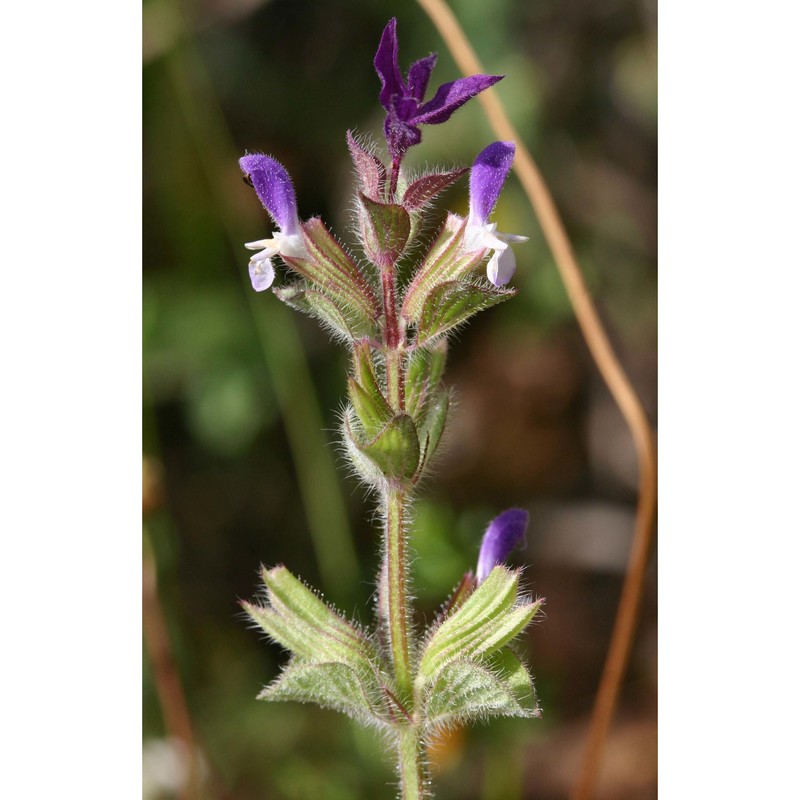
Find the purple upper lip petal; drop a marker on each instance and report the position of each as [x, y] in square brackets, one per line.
[505, 532]
[486, 179]
[274, 189]
[403, 100]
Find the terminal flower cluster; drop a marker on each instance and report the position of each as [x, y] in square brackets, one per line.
[403, 99]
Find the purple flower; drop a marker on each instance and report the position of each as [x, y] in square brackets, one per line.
[486, 179]
[276, 193]
[504, 533]
[402, 99]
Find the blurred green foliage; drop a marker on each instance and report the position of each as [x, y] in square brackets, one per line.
[233, 381]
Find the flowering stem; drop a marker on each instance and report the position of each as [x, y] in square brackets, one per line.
[411, 764]
[396, 575]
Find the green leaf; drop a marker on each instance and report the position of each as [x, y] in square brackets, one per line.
[465, 690]
[450, 304]
[331, 270]
[330, 685]
[445, 261]
[385, 228]
[305, 625]
[487, 620]
[343, 320]
[425, 188]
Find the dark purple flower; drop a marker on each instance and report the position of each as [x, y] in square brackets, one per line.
[486, 179]
[505, 532]
[402, 99]
[275, 191]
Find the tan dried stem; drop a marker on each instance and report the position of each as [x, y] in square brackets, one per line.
[614, 376]
[177, 720]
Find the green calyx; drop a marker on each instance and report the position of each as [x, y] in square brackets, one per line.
[490, 618]
[393, 454]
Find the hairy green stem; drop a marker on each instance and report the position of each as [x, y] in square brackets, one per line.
[411, 753]
[395, 380]
[396, 576]
[393, 343]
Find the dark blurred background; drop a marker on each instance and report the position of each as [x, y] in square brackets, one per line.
[241, 396]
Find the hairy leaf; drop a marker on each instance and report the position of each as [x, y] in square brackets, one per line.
[330, 685]
[465, 690]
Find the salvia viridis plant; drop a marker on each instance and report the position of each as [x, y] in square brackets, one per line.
[394, 309]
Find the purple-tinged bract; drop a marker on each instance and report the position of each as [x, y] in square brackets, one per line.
[405, 111]
[505, 532]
